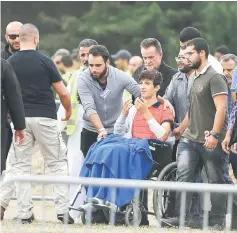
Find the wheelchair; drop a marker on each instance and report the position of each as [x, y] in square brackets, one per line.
[164, 169]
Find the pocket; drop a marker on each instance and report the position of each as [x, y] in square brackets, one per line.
[49, 132]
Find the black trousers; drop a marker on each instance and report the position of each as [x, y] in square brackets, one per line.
[233, 162]
[88, 138]
[6, 141]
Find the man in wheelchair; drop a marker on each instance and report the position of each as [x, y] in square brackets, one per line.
[126, 154]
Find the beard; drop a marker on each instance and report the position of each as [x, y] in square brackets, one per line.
[185, 69]
[86, 64]
[12, 48]
[101, 75]
[196, 65]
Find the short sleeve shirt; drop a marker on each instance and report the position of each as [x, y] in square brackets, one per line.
[36, 73]
[205, 87]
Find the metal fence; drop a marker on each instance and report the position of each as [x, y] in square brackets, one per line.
[207, 189]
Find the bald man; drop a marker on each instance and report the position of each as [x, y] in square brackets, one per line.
[134, 63]
[36, 74]
[12, 38]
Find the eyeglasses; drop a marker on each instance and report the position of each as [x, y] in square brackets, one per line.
[13, 36]
[177, 59]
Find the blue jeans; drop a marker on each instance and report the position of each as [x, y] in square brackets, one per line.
[191, 157]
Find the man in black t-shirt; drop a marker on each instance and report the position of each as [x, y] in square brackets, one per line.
[36, 74]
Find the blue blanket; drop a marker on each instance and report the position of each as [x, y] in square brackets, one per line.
[117, 157]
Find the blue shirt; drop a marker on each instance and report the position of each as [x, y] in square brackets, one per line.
[177, 94]
[234, 79]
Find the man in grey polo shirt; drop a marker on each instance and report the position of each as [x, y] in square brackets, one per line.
[206, 124]
[101, 88]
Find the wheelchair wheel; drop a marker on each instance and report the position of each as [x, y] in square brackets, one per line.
[119, 217]
[133, 216]
[85, 219]
[166, 207]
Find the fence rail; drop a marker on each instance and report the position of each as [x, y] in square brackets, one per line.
[144, 184]
[205, 188]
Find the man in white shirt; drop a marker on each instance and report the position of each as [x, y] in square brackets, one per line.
[190, 33]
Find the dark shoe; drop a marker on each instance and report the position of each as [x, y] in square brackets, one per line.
[65, 218]
[2, 212]
[144, 222]
[28, 220]
[170, 222]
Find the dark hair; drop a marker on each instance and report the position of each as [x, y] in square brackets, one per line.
[155, 75]
[87, 43]
[67, 61]
[229, 56]
[222, 49]
[199, 44]
[75, 56]
[148, 42]
[189, 33]
[100, 50]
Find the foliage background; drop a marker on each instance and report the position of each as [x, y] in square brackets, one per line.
[124, 24]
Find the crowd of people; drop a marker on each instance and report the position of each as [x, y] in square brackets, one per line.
[103, 95]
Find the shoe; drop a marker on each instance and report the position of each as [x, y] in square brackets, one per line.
[2, 212]
[28, 220]
[65, 218]
[144, 222]
[170, 222]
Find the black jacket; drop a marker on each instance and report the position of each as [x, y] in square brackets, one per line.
[5, 53]
[11, 98]
[166, 71]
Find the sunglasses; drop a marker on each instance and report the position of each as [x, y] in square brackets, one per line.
[13, 36]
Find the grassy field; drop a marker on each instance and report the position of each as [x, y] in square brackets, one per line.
[45, 211]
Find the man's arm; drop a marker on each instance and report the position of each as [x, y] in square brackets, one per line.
[183, 125]
[64, 98]
[234, 85]
[169, 92]
[221, 108]
[12, 94]
[88, 103]
[131, 86]
[219, 92]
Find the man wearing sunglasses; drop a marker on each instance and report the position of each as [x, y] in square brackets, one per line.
[12, 38]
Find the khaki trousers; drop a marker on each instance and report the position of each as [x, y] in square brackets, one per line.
[45, 132]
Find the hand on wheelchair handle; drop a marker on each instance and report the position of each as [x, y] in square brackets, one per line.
[102, 134]
[177, 133]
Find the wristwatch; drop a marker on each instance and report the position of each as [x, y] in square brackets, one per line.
[215, 135]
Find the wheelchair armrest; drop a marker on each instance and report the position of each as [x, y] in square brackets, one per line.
[158, 143]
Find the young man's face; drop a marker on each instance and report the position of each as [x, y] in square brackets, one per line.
[194, 57]
[147, 89]
[97, 65]
[151, 57]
